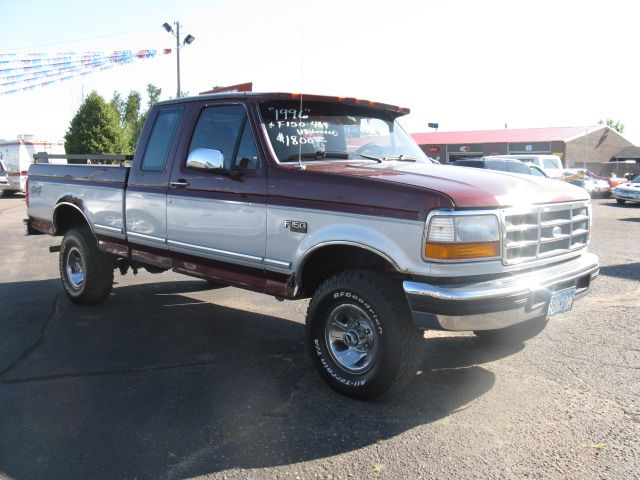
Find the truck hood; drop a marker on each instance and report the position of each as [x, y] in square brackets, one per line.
[466, 187]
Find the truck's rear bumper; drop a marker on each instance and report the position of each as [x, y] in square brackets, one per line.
[497, 303]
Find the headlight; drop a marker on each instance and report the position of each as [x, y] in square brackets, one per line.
[462, 237]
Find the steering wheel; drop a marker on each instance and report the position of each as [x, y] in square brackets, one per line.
[372, 149]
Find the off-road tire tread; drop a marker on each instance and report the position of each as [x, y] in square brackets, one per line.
[388, 291]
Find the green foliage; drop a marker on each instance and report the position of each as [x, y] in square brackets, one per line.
[117, 103]
[132, 119]
[618, 126]
[96, 128]
[113, 127]
[153, 93]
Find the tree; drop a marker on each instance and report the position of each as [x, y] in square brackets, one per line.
[618, 126]
[154, 94]
[95, 128]
[131, 119]
[117, 103]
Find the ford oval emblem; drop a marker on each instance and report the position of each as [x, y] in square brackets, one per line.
[556, 232]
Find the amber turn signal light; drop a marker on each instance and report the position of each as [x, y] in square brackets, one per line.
[461, 251]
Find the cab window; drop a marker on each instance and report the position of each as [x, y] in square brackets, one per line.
[159, 143]
[227, 129]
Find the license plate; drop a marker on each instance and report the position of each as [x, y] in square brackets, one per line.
[561, 302]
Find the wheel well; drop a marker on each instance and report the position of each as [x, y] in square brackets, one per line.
[333, 259]
[67, 217]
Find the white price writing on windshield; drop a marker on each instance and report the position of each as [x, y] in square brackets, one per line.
[295, 140]
[290, 113]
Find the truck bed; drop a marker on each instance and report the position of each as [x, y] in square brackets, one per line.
[97, 190]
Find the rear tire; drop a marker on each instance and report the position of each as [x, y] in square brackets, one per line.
[85, 271]
[361, 336]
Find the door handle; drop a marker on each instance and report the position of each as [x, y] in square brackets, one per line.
[179, 183]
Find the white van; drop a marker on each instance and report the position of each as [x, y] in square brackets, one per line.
[15, 158]
[549, 164]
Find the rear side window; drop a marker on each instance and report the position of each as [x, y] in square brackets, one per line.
[159, 143]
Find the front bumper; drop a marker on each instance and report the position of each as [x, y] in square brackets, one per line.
[497, 303]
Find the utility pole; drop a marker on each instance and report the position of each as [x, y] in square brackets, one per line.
[187, 41]
[178, 57]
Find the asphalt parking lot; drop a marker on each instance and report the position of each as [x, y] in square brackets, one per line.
[169, 380]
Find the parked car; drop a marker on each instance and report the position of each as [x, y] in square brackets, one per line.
[550, 164]
[491, 163]
[615, 181]
[325, 198]
[537, 171]
[627, 192]
[582, 178]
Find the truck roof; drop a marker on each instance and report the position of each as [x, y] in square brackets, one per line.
[266, 96]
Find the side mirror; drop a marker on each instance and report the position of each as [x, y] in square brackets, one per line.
[206, 159]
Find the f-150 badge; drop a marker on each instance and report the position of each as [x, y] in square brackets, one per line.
[296, 226]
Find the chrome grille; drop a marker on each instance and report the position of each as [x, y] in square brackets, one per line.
[544, 231]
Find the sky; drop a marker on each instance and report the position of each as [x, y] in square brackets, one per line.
[465, 64]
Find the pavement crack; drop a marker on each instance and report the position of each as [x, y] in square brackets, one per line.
[44, 333]
[124, 371]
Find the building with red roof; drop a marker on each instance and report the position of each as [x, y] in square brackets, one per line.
[574, 145]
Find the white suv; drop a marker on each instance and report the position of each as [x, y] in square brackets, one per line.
[549, 164]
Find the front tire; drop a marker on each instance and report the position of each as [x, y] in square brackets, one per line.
[85, 271]
[361, 336]
[620, 201]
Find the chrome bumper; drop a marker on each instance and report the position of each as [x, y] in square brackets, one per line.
[500, 302]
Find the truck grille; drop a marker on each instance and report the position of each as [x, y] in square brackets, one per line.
[544, 231]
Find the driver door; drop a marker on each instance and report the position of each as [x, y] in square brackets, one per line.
[220, 215]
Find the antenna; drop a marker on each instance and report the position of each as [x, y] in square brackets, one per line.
[300, 165]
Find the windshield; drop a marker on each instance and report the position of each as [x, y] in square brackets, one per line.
[336, 131]
[550, 163]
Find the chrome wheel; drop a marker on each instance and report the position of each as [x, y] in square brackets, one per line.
[75, 268]
[351, 338]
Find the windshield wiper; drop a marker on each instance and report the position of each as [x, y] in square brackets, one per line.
[401, 158]
[368, 157]
[321, 155]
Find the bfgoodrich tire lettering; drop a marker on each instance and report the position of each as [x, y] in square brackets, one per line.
[85, 271]
[381, 349]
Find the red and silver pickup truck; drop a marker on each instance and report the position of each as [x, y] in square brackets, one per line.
[328, 198]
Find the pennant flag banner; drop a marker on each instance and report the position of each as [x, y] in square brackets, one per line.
[19, 73]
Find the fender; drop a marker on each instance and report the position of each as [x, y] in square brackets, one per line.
[75, 203]
[372, 239]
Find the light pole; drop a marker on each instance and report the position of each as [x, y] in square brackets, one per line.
[187, 41]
